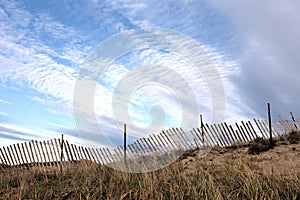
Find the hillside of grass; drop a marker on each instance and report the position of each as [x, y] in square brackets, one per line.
[244, 171]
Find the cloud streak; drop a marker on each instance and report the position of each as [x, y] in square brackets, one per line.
[269, 62]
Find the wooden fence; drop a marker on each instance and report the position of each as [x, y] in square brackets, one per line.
[55, 152]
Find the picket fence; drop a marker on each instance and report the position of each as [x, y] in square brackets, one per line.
[56, 152]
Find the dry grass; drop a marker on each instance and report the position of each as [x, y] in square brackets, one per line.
[223, 174]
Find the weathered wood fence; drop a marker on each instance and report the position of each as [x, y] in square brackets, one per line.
[56, 152]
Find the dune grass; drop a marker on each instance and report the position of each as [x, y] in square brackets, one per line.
[237, 178]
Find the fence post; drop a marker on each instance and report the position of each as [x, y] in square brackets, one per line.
[293, 120]
[202, 126]
[125, 145]
[62, 152]
[270, 124]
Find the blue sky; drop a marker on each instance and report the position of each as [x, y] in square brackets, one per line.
[44, 44]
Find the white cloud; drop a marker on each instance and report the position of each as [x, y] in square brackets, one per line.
[6, 102]
[269, 61]
[34, 62]
[3, 114]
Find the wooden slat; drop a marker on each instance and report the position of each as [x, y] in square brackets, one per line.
[103, 152]
[178, 139]
[198, 141]
[200, 138]
[163, 136]
[8, 157]
[157, 139]
[98, 155]
[132, 149]
[265, 131]
[70, 150]
[121, 153]
[275, 131]
[76, 156]
[284, 125]
[144, 146]
[43, 153]
[60, 159]
[245, 134]
[207, 135]
[91, 154]
[32, 152]
[230, 133]
[266, 128]
[154, 142]
[102, 155]
[215, 133]
[36, 153]
[57, 144]
[51, 158]
[137, 148]
[65, 149]
[239, 132]
[236, 134]
[253, 130]
[226, 134]
[84, 153]
[220, 135]
[148, 144]
[107, 155]
[119, 156]
[150, 141]
[259, 128]
[110, 154]
[172, 144]
[168, 143]
[160, 139]
[54, 152]
[182, 138]
[186, 137]
[248, 131]
[10, 151]
[16, 153]
[80, 156]
[25, 157]
[212, 135]
[141, 147]
[28, 153]
[207, 139]
[3, 159]
[280, 125]
[47, 153]
[53, 155]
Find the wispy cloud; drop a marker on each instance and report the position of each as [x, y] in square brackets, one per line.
[3, 114]
[6, 102]
[268, 61]
[33, 61]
